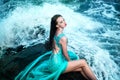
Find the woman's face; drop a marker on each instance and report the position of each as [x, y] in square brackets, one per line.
[61, 22]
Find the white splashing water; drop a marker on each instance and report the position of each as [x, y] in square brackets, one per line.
[22, 20]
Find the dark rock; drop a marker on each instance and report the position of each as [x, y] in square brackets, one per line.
[11, 50]
[11, 65]
[72, 76]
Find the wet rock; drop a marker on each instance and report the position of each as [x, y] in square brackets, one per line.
[11, 65]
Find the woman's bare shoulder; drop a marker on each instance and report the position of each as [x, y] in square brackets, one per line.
[63, 40]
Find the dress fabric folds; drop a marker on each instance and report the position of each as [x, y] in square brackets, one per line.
[48, 66]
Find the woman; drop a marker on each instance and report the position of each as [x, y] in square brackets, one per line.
[50, 65]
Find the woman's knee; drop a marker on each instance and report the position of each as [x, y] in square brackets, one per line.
[83, 62]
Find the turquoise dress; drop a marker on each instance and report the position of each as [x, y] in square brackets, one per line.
[48, 66]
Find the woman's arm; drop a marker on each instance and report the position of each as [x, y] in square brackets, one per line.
[63, 42]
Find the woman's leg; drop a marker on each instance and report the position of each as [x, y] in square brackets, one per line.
[82, 66]
[81, 71]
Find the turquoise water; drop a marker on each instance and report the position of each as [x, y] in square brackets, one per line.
[92, 29]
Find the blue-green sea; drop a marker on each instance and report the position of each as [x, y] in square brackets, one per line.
[93, 29]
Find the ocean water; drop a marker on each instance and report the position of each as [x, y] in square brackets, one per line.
[93, 29]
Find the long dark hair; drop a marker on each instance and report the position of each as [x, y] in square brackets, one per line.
[53, 28]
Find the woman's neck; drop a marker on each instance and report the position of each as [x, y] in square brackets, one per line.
[59, 30]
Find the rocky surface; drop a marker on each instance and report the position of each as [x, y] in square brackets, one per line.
[15, 60]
